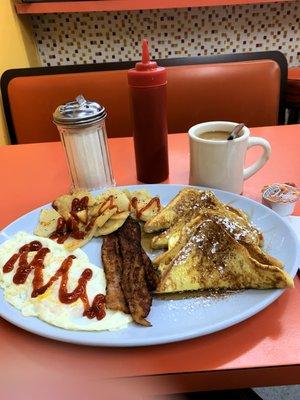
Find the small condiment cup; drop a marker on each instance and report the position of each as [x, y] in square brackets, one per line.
[283, 209]
[281, 198]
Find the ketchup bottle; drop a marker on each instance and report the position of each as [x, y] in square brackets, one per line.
[148, 89]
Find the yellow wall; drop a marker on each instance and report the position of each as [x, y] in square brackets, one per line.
[17, 48]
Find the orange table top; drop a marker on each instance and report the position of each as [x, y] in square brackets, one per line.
[263, 350]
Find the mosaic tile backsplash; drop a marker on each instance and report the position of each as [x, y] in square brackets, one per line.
[80, 38]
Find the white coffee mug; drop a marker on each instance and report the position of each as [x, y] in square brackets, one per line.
[220, 163]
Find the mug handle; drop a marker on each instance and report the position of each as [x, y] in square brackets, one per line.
[257, 141]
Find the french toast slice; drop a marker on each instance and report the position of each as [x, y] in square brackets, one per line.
[236, 224]
[208, 257]
[187, 203]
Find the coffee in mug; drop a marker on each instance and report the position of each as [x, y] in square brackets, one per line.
[214, 135]
[219, 163]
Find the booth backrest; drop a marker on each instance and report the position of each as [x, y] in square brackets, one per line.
[243, 88]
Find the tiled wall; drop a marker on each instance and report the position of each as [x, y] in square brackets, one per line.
[101, 37]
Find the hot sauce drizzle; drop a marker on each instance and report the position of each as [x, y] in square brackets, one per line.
[96, 310]
[139, 212]
[70, 227]
[108, 204]
[79, 204]
[60, 231]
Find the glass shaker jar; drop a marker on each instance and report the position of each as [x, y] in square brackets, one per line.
[81, 124]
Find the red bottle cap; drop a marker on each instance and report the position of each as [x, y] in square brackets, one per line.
[146, 72]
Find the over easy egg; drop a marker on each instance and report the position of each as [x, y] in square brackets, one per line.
[47, 306]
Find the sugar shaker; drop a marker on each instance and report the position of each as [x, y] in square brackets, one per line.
[81, 124]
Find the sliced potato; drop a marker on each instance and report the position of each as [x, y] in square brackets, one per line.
[47, 222]
[106, 213]
[105, 216]
[120, 215]
[143, 198]
[119, 199]
[82, 216]
[63, 204]
[110, 226]
[142, 195]
[72, 244]
[150, 211]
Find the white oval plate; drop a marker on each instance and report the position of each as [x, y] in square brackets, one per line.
[173, 320]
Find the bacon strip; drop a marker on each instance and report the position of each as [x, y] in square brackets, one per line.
[134, 283]
[112, 263]
[151, 272]
[129, 272]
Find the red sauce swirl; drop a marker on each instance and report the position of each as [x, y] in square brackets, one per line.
[65, 229]
[108, 204]
[96, 310]
[139, 212]
[79, 204]
[70, 227]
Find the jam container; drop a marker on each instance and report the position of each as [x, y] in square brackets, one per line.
[81, 124]
[281, 197]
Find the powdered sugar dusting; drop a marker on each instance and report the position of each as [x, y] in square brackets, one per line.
[238, 230]
[200, 299]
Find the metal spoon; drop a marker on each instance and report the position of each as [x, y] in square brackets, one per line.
[235, 133]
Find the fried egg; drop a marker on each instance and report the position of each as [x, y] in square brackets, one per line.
[47, 306]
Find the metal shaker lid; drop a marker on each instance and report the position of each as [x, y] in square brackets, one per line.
[79, 112]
